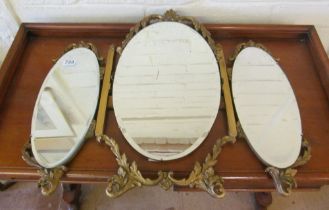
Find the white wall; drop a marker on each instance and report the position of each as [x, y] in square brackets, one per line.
[12, 12]
[8, 28]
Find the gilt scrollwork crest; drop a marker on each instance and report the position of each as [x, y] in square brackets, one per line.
[172, 16]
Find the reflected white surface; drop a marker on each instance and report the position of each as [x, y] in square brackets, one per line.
[166, 91]
[65, 107]
[267, 108]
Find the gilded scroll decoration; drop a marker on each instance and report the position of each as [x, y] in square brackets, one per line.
[232, 127]
[305, 155]
[202, 176]
[83, 44]
[284, 178]
[128, 176]
[169, 15]
[243, 45]
[49, 178]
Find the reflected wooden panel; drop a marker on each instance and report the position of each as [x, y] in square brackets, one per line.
[166, 90]
[267, 108]
[65, 107]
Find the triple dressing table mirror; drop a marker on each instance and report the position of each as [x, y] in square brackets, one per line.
[164, 105]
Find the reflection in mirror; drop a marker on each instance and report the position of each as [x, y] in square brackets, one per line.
[65, 107]
[166, 90]
[266, 107]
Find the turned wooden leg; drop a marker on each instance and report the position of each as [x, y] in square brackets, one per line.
[71, 195]
[5, 185]
[263, 200]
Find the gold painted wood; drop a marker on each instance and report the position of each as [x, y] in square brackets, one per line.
[83, 44]
[104, 94]
[49, 178]
[232, 128]
[243, 45]
[284, 179]
[172, 16]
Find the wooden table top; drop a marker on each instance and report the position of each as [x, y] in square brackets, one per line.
[302, 58]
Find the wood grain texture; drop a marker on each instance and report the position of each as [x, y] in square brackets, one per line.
[301, 57]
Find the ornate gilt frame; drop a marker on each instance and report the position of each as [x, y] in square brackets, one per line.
[284, 179]
[50, 177]
[203, 175]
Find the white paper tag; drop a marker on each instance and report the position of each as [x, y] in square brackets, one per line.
[69, 62]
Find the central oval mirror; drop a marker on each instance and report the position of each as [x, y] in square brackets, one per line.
[166, 90]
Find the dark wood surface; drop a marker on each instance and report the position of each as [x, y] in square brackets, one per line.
[302, 57]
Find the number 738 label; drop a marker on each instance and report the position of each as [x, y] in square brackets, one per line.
[69, 62]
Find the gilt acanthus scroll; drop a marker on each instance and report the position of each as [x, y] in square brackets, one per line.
[202, 176]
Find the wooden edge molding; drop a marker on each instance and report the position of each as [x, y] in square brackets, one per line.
[11, 63]
[121, 29]
[320, 57]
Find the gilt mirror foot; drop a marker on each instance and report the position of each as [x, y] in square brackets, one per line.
[201, 177]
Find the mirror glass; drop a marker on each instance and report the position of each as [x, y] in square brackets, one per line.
[65, 107]
[166, 90]
[266, 107]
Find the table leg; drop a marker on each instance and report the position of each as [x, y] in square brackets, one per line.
[71, 195]
[263, 200]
